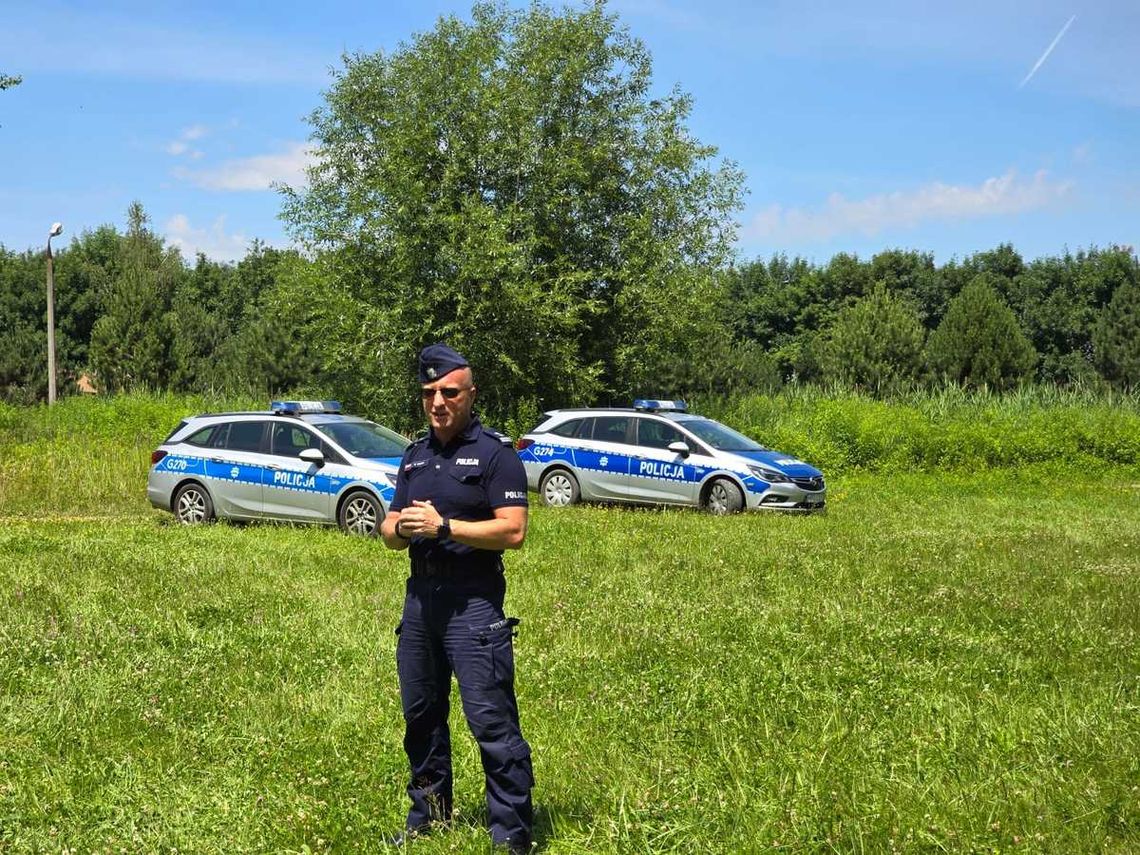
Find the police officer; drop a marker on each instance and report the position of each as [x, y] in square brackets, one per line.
[460, 501]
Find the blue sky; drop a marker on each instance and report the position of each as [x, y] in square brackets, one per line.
[944, 127]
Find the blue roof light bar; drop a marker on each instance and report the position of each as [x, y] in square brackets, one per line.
[295, 408]
[653, 405]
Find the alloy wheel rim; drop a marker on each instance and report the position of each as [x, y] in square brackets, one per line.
[359, 516]
[191, 507]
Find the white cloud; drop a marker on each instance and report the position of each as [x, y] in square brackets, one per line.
[212, 241]
[905, 209]
[181, 146]
[259, 172]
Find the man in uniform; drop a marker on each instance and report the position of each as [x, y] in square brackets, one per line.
[460, 501]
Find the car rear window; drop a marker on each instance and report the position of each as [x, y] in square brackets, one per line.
[610, 428]
[568, 428]
[202, 437]
[241, 436]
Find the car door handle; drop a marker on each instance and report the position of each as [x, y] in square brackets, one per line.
[217, 460]
[273, 466]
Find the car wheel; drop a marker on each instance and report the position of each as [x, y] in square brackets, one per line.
[360, 514]
[192, 505]
[723, 497]
[558, 489]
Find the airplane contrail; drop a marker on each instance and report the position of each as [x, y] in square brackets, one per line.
[1048, 51]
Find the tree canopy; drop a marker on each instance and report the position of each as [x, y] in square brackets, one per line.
[511, 184]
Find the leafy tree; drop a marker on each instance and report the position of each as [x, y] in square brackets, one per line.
[979, 342]
[7, 81]
[278, 347]
[510, 185]
[130, 343]
[23, 312]
[876, 343]
[912, 274]
[1117, 337]
[199, 326]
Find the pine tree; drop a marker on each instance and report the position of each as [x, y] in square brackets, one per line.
[979, 342]
[1116, 339]
[876, 343]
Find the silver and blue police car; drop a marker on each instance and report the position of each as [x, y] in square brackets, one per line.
[658, 453]
[299, 461]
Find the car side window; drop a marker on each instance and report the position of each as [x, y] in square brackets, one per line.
[568, 428]
[245, 436]
[202, 437]
[611, 428]
[655, 434]
[289, 440]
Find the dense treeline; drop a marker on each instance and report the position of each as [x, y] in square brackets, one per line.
[510, 184]
[898, 320]
[132, 314]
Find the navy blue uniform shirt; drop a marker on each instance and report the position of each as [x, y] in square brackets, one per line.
[464, 480]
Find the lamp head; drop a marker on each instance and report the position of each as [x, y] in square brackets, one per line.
[56, 230]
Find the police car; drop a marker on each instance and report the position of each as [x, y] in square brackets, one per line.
[659, 453]
[301, 461]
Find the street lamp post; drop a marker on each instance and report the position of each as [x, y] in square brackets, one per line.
[56, 229]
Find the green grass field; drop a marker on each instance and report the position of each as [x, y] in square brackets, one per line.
[945, 661]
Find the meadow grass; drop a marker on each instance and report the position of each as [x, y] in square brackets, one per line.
[943, 662]
[947, 429]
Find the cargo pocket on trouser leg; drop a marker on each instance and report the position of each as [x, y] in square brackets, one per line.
[493, 649]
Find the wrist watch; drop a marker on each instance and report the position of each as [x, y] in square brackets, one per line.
[444, 532]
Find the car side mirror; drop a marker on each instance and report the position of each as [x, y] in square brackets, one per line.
[681, 448]
[313, 455]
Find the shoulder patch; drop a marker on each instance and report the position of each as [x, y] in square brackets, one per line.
[501, 437]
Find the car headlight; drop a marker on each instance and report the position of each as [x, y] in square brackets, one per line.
[772, 476]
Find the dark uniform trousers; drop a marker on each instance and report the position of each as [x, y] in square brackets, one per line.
[454, 623]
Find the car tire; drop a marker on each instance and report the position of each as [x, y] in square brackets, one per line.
[359, 514]
[559, 488]
[722, 497]
[192, 504]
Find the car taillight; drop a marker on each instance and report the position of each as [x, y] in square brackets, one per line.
[156, 456]
[523, 442]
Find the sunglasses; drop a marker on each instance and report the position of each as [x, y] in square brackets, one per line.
[448, 392]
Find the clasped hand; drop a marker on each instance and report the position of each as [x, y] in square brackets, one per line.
[420, 519]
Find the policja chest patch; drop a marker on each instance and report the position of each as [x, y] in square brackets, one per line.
[467, 461]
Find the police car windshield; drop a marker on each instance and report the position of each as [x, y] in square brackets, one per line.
[720, 437]
[366, 439]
